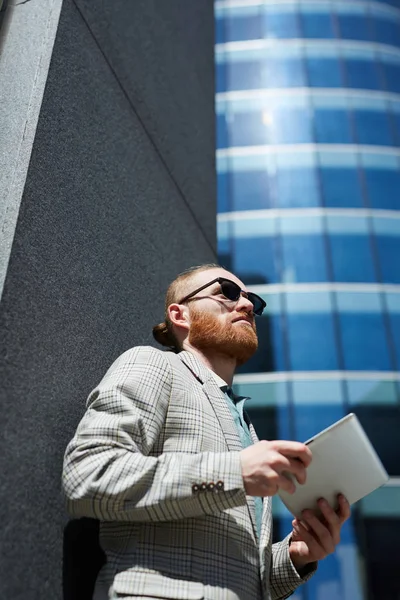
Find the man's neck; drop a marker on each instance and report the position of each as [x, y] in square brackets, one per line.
[222, 365]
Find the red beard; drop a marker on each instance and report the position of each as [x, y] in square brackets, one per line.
[235, 340]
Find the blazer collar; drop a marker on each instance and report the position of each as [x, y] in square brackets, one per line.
[216, 397]
[194, 364]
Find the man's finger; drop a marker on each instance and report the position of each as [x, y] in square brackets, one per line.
[313, 544]
[285, 483]
[294, 450]
[344, 510]
[332, 520]
[320, 531]
[297, 468]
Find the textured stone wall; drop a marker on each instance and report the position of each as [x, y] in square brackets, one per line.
[119, 197]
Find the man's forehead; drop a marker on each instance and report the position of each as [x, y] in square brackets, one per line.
[203, 277]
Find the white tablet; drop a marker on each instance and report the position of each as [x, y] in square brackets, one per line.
[344, 461]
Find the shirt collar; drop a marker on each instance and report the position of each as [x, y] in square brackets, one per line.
[223, 386]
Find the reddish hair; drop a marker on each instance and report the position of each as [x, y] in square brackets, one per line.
[163, 332]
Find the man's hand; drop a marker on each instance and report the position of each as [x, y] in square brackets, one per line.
[264, 465]
[314, 537]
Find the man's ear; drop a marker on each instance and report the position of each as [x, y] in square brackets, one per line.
[179, 315]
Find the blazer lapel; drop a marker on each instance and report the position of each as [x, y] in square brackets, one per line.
[216, 398]
[219, 404]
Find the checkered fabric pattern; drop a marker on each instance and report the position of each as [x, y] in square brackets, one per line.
[156, 459]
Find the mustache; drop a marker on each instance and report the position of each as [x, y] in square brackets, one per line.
[248, 317]
[245, 315]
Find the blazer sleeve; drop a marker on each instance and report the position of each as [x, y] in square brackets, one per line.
[108, 473]
[284, 577]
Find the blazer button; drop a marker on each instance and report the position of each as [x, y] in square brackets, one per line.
[220, 486]
[211, 486]
[203, 487]
[195, 488]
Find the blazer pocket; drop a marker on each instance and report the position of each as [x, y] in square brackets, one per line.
[136, 582]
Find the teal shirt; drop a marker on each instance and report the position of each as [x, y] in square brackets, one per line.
[236, 406]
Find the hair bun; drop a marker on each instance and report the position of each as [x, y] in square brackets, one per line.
[163, 336]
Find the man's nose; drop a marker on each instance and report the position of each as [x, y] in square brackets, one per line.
[244, 304]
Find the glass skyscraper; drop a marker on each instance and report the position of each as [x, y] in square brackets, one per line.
[308, 161]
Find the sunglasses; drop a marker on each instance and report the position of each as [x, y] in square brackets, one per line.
[232, 291]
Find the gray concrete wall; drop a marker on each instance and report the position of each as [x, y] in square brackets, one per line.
[119, 197]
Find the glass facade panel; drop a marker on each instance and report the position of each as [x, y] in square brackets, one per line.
[285, 72]
[325, 162]
[247, 129]
[297, 187]
[332, 126]
[323, 399]
[381, 424]
[363, 333]
[324, 72]
[391, 72]
[387, 30]
[362, 73]
[373, 127]
[341, 187]
[365, 346]
[222, 192]
[250, 190]
[361, 392]
[389, 247]
[281, 24]
[383, 187]
[254, 258]
[238, 28]
[392, 301]
[317, 25]
[311, 340]
[244, 75]
[394, 322]
[355, 27]
[303, 259]
[292, 126]
[352, 259]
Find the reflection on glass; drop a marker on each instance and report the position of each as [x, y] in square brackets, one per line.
[292, 126]
[237, 28]
[247, 129]
[284, 72]
[297, 187]
[281, 24]
[244, 75]
[250, 190]
[371, 392]
[303, 258]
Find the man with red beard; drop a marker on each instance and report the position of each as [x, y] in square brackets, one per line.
[167, 460]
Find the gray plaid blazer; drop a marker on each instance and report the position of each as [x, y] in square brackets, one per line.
[156, 459]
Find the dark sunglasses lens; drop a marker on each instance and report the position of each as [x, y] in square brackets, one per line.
[257, 302]
[230, 290]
